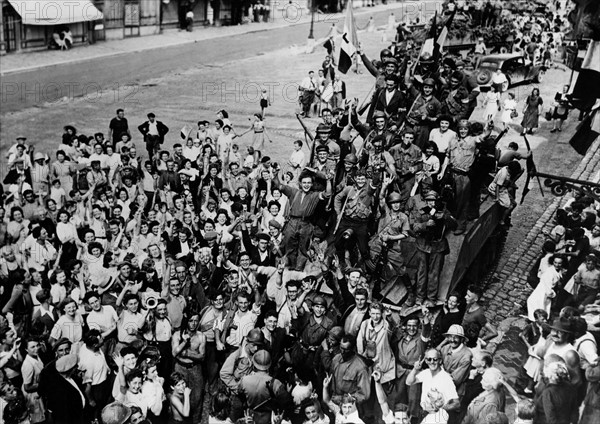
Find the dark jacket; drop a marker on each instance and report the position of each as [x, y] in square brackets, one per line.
[162, 130]
[61, 397]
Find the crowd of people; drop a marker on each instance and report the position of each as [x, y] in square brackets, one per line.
[141, 283]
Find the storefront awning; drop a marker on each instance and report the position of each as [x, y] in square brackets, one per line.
[55, 12]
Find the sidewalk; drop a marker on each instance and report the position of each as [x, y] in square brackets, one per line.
[22, 62]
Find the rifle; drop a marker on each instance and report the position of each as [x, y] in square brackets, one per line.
[310, 136]
[531, 171]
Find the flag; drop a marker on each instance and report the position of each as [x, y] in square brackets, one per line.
[439, 44]
[349, 41]
[428, 44]
[185, 131]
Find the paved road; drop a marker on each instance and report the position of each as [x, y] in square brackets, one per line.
[30, 88]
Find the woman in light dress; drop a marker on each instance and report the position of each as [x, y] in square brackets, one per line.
[541, 297]
[509, 107]
[492, 104]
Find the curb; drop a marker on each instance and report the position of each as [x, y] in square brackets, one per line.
[337, 16]
[510, 282]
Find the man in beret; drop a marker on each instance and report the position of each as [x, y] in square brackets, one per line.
[154, 134]
[259, 252]
[65, 398]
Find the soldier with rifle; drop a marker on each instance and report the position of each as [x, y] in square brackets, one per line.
[408, 160]
[393, 227]
[424, 113]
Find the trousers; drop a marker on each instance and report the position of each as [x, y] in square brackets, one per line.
[429, 268]
[296, 239]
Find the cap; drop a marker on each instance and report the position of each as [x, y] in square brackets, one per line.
[275, 224]
[319, 300]
[115, 413]
[378, 114]
[122, 264]
[66, 363]
[60, 342]
[351, 158]
[262, 360]
[21, 137]
[263, 236]
[210, 235]
[390, 60]
[265, 159]
[394, 197]
[39, 156]
[455, 330]
[429, 81]
[336, 332]
[430, 195]
[322, 148]
[255, 336]
[323, 128]
[561, 324]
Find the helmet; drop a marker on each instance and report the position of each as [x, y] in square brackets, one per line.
[385, 53]
[262, 360]
[115, 413]
[430, 195]
[391, 60]
[378, 114]
[351, 158]
[429, 81]
[255, 336]
[394, 198]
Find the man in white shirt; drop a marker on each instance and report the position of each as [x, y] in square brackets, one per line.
[307, 88]
[438, 394]
[102, 317]
[92, 363]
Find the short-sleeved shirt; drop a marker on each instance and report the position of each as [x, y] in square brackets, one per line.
[119, 126]
[461, 153]
[72, 329]
[434, 387]
[441, 139]
[477, 316]
[104, 319]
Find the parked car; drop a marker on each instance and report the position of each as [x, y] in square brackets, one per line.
[515, 66]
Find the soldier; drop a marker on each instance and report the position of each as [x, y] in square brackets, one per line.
[460, 156]
[353, 206]
[346, 173]
[377, 161]
[379, 128]
[321, 166]
[393, 227]
[312, 328]
[407, 160]
[324, 140]
[429, 220]
[424, 113]
[455, 99]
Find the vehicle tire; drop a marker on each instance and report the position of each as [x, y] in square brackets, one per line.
[483, 76]
[539, 77]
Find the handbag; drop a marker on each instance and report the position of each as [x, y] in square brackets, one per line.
[548, 115]
[514, 113]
